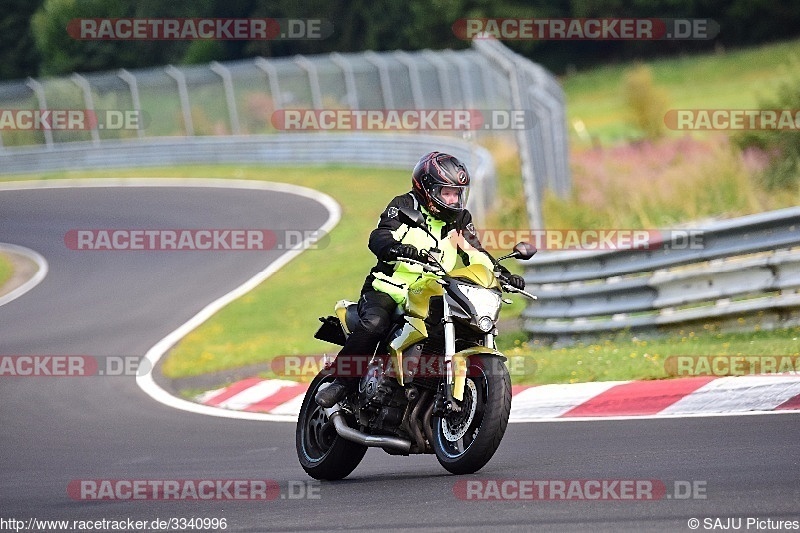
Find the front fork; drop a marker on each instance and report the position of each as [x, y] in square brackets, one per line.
[451, 388]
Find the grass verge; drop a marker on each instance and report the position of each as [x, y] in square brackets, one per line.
[737, 78]
[280, 316]
[6, 269]
[625, 356]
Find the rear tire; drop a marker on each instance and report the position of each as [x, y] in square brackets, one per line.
[464, 442]
[323, 454]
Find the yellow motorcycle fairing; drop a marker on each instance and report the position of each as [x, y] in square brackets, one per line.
[478, 274]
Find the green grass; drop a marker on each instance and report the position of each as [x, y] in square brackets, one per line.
[6, 269]
[737, 79]
[280, 316]
[625, 357]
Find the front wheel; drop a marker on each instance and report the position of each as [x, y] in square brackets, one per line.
[323, 454]
[465, 441]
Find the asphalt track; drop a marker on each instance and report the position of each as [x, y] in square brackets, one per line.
[58, 430]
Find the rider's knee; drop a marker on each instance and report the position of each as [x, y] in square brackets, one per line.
[375, 323]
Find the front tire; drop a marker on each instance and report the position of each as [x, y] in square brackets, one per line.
[323, 454]
[464, 442]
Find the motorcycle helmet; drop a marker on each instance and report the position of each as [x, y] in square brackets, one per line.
[441, 184]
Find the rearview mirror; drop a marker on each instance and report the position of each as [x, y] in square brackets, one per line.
[524, 250]
[411, 217]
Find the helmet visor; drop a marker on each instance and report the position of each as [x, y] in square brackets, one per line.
[451, 196]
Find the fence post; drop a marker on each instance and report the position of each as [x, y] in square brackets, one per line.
[383, 72]
[227, 83]
[413, 73]
[38, 90]
[349, 78]
[272, 78]
[529, 177]
[313, 80]
[441, 75]
[183, 93]
[88, 102]
[130, 79]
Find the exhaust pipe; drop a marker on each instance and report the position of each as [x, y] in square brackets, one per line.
[373, 441]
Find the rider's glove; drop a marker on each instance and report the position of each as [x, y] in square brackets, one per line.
[403, 250]
[516, 281]
[512, 279]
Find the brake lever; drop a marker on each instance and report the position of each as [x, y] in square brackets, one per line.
[511, 288]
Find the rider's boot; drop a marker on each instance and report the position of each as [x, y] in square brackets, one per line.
[335, 392]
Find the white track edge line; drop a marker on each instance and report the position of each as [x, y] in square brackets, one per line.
[37, 278]
[154, 354]
[152, 389]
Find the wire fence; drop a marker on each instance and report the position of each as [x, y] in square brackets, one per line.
[250, 97]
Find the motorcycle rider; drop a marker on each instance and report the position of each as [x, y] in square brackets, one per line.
[440, 186]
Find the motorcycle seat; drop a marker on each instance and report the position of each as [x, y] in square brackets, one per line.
[351, 316]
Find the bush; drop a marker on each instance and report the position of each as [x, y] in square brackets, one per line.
[646, 102]
[659, 184]
[781, 146]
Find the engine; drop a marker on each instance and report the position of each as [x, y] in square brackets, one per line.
[381, 399]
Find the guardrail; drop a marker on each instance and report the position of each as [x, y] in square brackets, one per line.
[740, 268]
[379, 150]
[240, 97]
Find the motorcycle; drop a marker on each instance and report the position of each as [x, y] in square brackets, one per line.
[436, 384]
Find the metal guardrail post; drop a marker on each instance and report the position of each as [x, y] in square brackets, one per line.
[130, 79]
[546, 93]
[183, 93]
[88, 101]
[227, 83]
[463, 77]
[413, 72]
[530, 179]
[313, 80]
[489, 89]
[272, 78]
[349, 78]
[383, 73]
[441, 75]
[38, 90]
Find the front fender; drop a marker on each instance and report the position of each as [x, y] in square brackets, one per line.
[460, 360]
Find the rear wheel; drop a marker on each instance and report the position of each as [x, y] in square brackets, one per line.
[323, 454]
[465, 441]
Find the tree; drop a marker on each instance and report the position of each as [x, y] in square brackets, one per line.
[19, 56]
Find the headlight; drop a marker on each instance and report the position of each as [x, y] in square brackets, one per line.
[485, 301]
[486, 324]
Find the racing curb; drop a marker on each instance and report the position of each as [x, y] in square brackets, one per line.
[682, 397]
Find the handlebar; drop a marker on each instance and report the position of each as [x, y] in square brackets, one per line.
[428, 267]
[509, 288]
